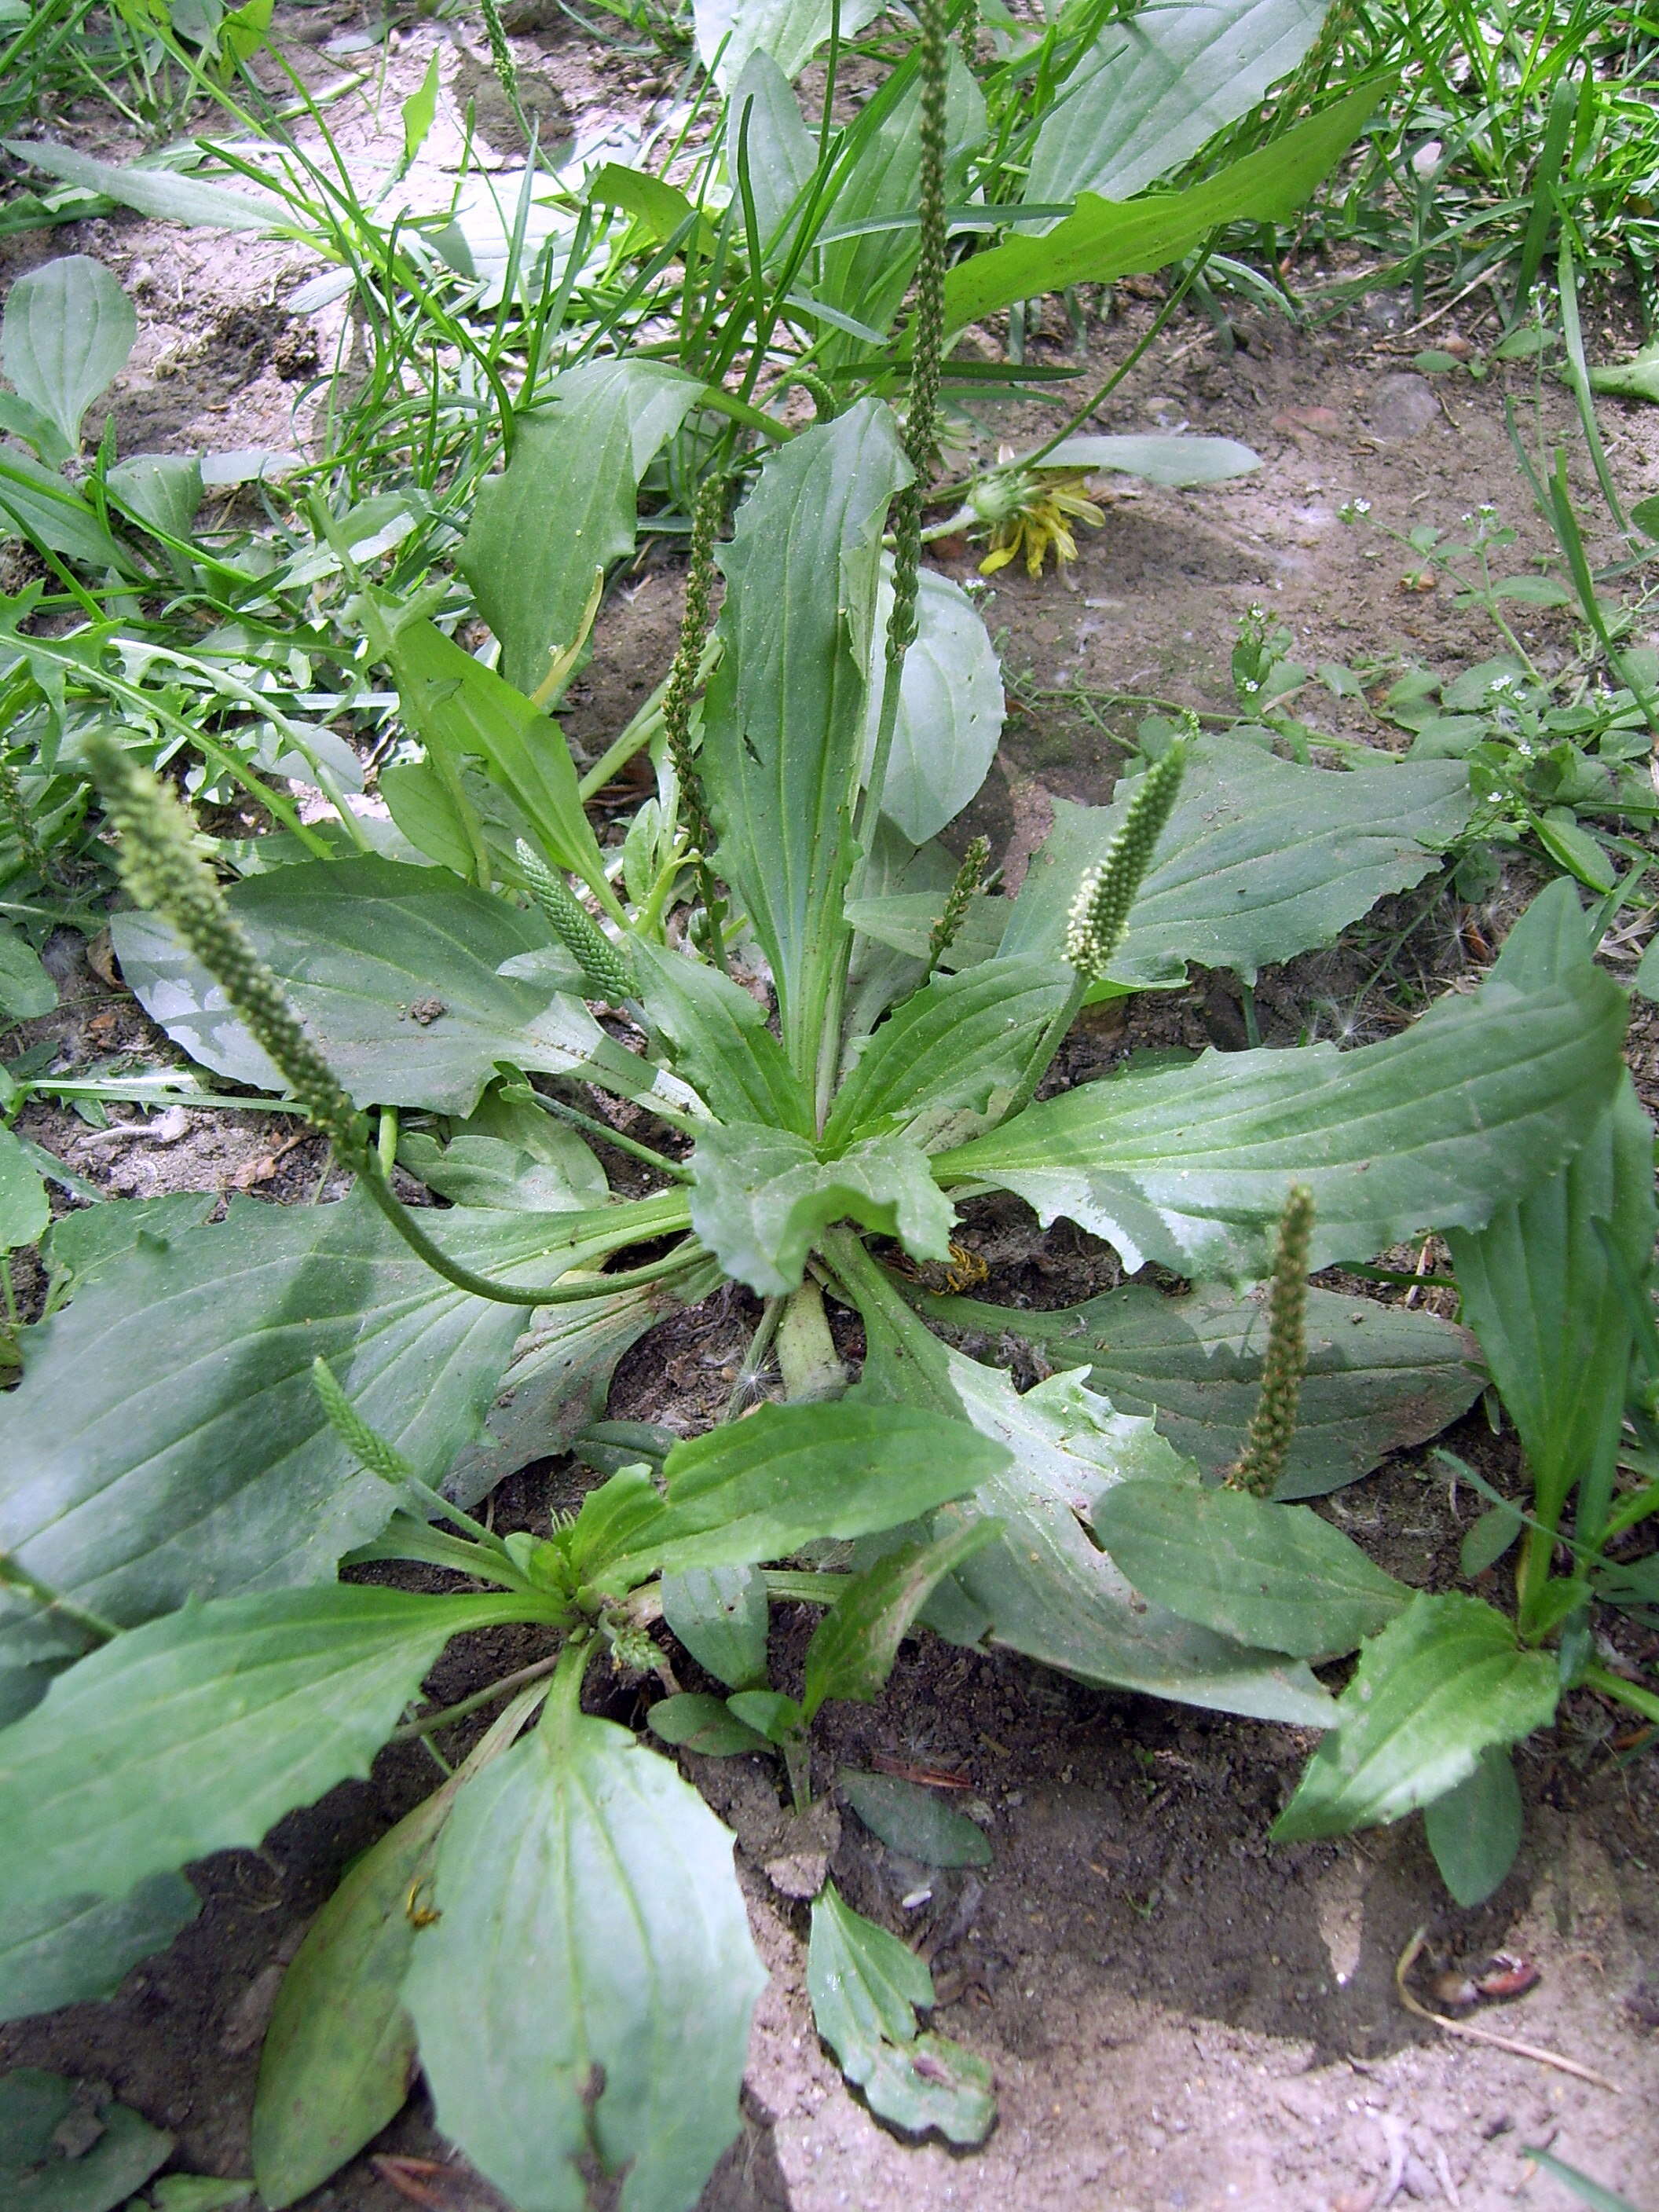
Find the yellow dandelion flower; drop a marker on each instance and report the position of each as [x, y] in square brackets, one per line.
[1029, 512]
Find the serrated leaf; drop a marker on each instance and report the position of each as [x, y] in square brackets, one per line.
[70, 1949]
[692, 1722]
[1443, 1683]
[721, 1042]
[65, 336]
[464, 711]
[483, 1171]
[623, 2049]
[948, 1050]
[564, 506]
[1045, 1587]
[396, 971]
[1107, 239]
[1275, 1576]
[129, 1484]
[1261, 860]
[915, 1820]
[37, 2176]
[854, 1645]
[1379, 1378]
[760, 1488]
[339, 2053]
[1158, 86]
[865, 1987]
[196, 1732]
[949, 713]
[1474, 1829]
[1438, 1128]
[721, 1616]
[761, 1197]
[784, 720]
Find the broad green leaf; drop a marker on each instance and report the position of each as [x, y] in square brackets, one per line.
[762, 1196]
[905, 920]
[65, 336]
[764, 134]
[463, 710]
[162, 194]
[557, 1379]
[854, 1645]
[720, 1615]
[721, 1042]
[419, 112]
[1438, 1128]
[129, 1482]
[24, 1211]
[760, 1488]
[865, 277]
[1045, 1587]
[784, 720]
[1379, 1378]
[82, 1244]
[339, 2053]
[485, 1171]
[1541, 1295]
[949, 713]
[73, 1948]
[1261, 860]
[774, 1716]
[196, 1732]
[37, 2175]
[563, 508]
[25, 989]
[1107, 239]
[396, 971]
[1159, 86]
[162, 489]
[36, 502]
[586, 1858]
[1272, 1575]
[661, 207]
[1635, 378]
[1178, 459]
[916, 1821]
[1474, 1829]
[790, 31]
[1441, 1684]
[949, 1051]
[196, 2192]
[865, 1988]
[691, 1721]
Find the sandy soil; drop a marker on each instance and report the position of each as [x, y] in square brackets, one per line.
[1177, 2015]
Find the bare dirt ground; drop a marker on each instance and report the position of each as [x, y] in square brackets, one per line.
[1177, 2015]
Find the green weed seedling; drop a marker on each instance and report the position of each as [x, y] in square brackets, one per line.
[820, 1035]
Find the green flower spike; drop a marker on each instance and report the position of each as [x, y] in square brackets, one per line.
[1267, 1441]
[162, 870]
[1100, 912]
[969, 876]
[606, 968]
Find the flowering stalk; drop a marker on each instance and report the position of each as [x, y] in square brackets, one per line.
[603, 965]
[372, 1450]
[948, 927]
[676, 702]
[1100, 913]
[1267, 1440]
[926, 332]
[162, 870]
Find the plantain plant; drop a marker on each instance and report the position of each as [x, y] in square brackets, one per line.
[814, 1037]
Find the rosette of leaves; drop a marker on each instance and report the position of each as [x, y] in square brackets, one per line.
[182, 1662]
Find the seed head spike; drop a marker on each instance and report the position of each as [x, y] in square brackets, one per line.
[1267, 1441]
[367, 1445]
[1100, 912]
[163, 872]
[604, 967]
